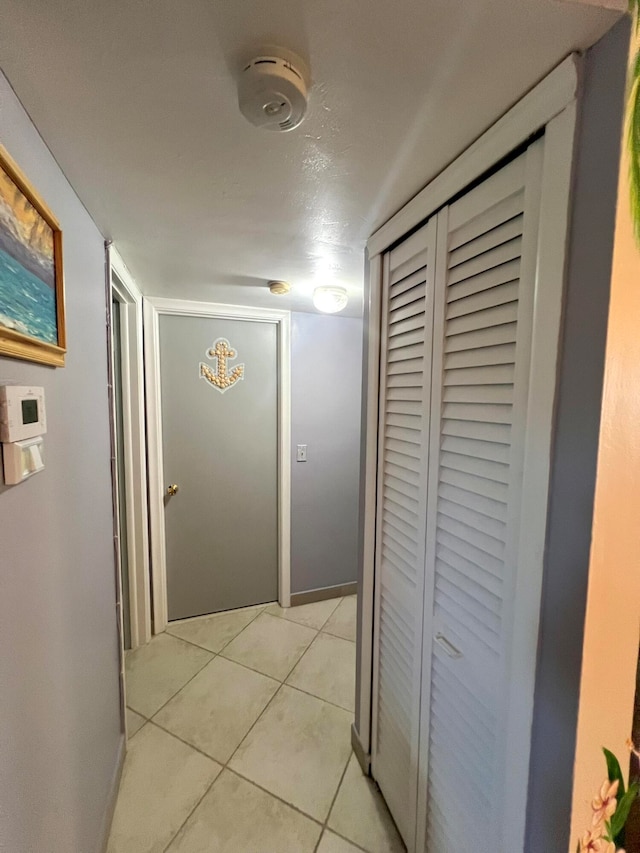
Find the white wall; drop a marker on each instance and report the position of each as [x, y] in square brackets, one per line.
[326, 371]
[59, 699]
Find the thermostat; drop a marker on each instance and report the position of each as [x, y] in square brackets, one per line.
[22, 412]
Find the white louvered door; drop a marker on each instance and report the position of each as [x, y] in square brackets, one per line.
[483, 323]
[466, 402]
[407, 320]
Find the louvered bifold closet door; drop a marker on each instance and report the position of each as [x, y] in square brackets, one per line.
[407, 318]
[483, 316]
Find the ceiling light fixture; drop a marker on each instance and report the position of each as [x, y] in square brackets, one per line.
[279, 287]
[330, 300]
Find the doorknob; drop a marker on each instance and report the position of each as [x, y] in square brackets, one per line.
[172, 489]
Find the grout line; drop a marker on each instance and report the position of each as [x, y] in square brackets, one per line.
[255, 722]
[295, 621]
[348, 840]
[188, 620]
[221, 764]
[276, 797]
[337, 636]
[225, 765]
[173, 695]
[188, 817]
[250, 668]
[322, 834]
[282, 684]
[198, 646]
[283, 681]
[321, 698]
[335, 796]
[340, 600]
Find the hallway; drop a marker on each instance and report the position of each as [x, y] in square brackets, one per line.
[239, 727]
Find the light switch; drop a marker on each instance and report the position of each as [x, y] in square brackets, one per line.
[302, 453]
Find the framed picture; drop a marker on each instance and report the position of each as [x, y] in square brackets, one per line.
[31, 282]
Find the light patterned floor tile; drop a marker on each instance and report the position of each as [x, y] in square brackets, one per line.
[218, 707]
[332, 843]
[162, 781]
[270, 645]
[361, 815]
[237, 817]
[342, 622]
[214, 632]
[297, 750]
[134, 722]
[327, 670]
[158, 670]
[312, 615]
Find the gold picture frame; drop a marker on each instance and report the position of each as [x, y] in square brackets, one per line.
[32, 317]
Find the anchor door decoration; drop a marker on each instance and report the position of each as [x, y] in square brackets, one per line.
[220, 377]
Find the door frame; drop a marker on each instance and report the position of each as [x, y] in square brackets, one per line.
[550, 106]
[124, 290]
[153, 308]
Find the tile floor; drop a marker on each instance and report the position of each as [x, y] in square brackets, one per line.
[239, 739]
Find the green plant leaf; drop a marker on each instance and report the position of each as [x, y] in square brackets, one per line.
[614, 771]
[621, 814]
[633, 143]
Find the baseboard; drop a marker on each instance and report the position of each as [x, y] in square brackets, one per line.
[323, 593]
[112, 797]
[364, 758]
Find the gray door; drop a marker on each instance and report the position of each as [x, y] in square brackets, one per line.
[220, 435]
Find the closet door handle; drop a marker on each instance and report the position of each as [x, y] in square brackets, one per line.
[448, 647]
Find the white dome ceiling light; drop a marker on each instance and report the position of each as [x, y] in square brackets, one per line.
[273, 91]
[331, 299]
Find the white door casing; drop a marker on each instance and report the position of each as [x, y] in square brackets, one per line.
[125, 291]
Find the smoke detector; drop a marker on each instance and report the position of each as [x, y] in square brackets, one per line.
[279, 287]
[272, 91]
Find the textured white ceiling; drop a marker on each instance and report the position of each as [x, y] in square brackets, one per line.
[137, 101]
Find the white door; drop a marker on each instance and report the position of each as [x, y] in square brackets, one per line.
[476, 689]
[407, 320]
[453, 682]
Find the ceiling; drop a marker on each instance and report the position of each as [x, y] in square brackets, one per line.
[137, 102]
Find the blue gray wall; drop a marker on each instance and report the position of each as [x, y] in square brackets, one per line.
[59, 694]
[326, 373]
[575, 447]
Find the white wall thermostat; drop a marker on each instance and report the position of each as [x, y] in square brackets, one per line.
[22, 412]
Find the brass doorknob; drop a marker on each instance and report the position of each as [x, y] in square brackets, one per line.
[172, 489]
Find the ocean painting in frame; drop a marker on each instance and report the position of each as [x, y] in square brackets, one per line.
[31, 286]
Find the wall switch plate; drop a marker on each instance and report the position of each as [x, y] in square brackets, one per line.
[301, 455]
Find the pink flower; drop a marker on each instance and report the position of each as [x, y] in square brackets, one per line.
[590, 841]
[604, 805]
